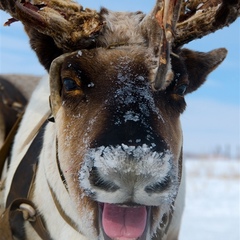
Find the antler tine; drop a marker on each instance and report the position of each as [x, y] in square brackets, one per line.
[162, 20]
[200, 17]
[70, 26]
[167, 18]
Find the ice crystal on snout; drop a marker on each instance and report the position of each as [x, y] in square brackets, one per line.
[131, 116]
[91, 85]
[79, 53]
[123, 159]
[133, 92]
[85, 174]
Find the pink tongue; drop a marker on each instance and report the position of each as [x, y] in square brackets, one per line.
[123, 222]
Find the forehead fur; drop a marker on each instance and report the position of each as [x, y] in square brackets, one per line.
[104, 64]
[121, 27]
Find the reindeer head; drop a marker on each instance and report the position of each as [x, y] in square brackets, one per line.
[117, 93]
[120, 139]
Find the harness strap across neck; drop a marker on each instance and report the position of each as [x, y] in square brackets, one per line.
[12, 220]
[16, 214]
[6, 148]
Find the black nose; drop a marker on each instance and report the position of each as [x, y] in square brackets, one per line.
[130, 134]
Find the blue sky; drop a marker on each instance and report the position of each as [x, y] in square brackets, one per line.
[212, 119]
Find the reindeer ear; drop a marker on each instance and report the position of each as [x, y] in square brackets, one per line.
[44, 46]
[199, 65]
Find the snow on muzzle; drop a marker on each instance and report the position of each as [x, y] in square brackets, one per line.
[126, 181]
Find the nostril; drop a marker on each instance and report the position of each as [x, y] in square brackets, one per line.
[97, 181]
[159, 186]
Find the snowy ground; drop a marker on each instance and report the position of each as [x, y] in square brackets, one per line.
[212, 209]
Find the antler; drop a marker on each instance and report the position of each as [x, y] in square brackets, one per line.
[167, 17]
[163, 20]
[201, 17]
[66, 22]
[181, 21]
[171, 24]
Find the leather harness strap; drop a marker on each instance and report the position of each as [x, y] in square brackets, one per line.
[16, 214]
[6, 148]
[12, 104]
[25, 171]
[12, 220]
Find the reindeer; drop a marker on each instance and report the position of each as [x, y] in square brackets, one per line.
[104, 160]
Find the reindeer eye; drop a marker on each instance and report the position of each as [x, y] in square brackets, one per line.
[70, 84]
[181, 90]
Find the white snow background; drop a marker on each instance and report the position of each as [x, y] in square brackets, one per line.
[212, 210]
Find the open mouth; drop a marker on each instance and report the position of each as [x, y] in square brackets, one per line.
[123, 222]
